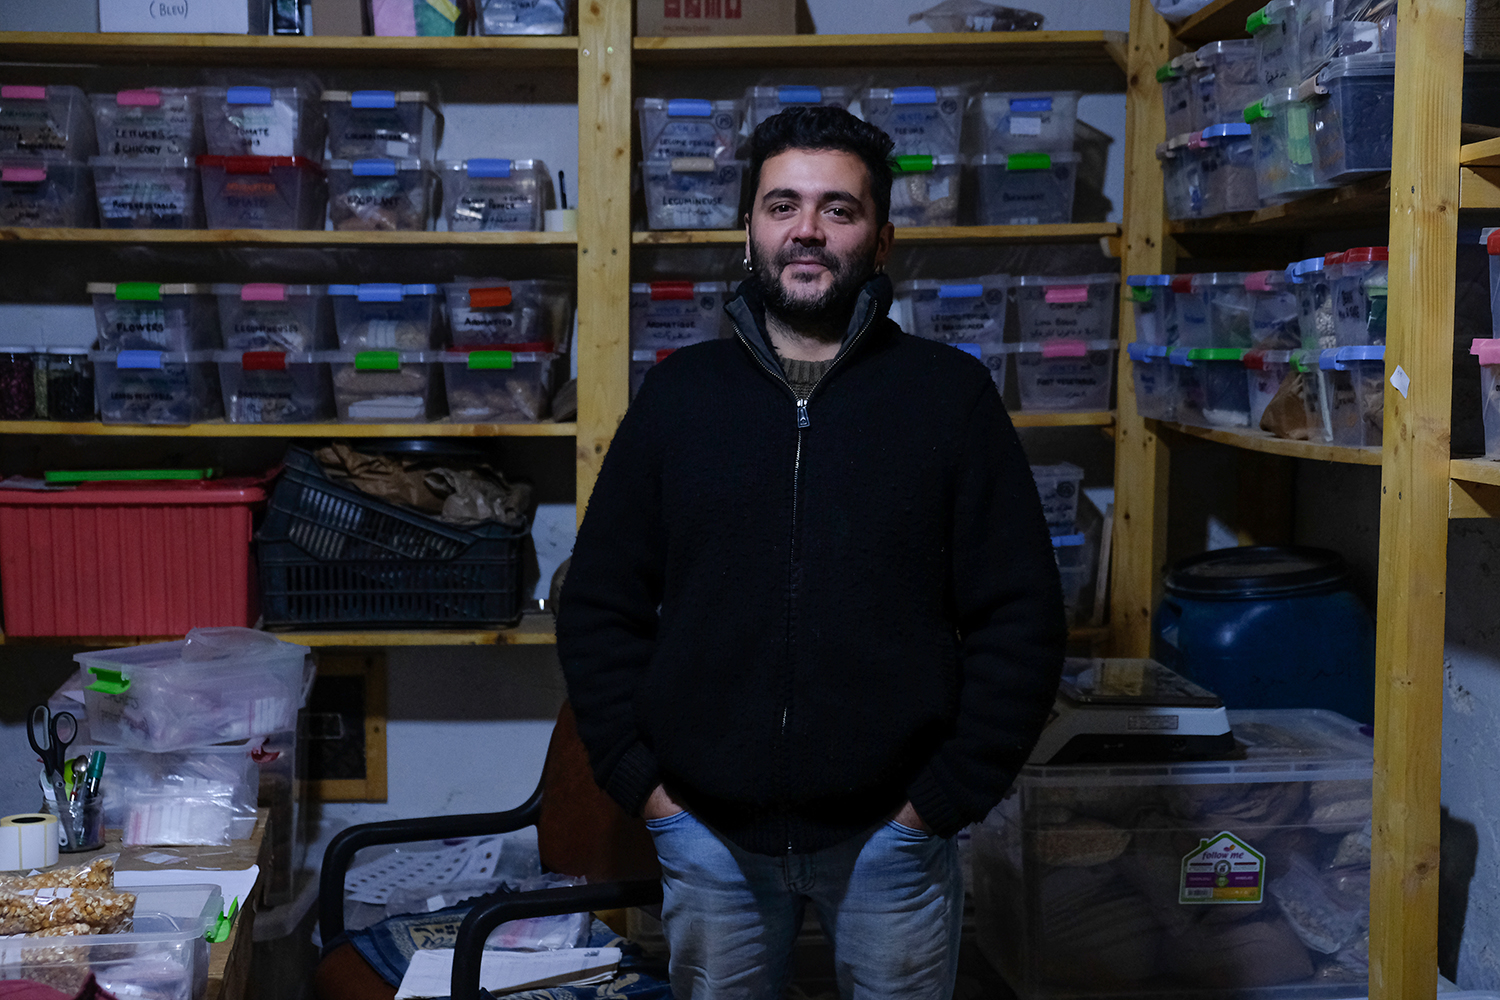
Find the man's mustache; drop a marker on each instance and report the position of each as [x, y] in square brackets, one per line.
[805, 255]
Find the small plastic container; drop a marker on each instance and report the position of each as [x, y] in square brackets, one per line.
[1492, 246]
[1179, 178]
[1274, 29]
[145, 315]
[1226, 80]
[1274, 313]
[665, 315]
[379, 194]
[1155, 381]
[1281, 130]
[1359, 297]
[1316, 397]
[1309, 282]
[524, 17]
[763, 102]
[1028, 122]
[969, 312]
[925, 121]
[1021, 189]
[1057, 486]
[382, 317]
[216, 686]
[262, 121]
[386, 387]
[144, 791]
[1313, 50]
[262, 192]
[400, 124]
[924, 190]
[693, 192]
[143, 192]
[1179, 101]
[17, 383]
[1154, 305]
[1226, 169]
[1228, 305]
[1487, 351]
[1358, 27]
[53, 122]
[275, 387]
[1075, 568]
[493, 195]
[1354, 379]
[270, 317]
[1265, 371]
[1214, 392]
[46, 193]
[69, 380]
[158, 122]
[1352, 122]
[1067, 376]
[1080, 307]
[499, 387]
[533, 316]
[687, 127]
[155, 387]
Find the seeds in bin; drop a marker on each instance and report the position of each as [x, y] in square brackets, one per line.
[164, 202]
[385, 204]
[96, 874]
[26, 911]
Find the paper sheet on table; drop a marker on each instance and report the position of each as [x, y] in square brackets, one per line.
[430, 973]
[232, 884]
[374, 881]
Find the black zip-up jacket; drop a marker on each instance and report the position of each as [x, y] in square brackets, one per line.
[799, 614]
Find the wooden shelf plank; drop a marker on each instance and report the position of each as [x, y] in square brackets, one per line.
[220, 429]
[1479, 187]
[1220, 19]
[1473, 489]
[1266, 444]
[534, 630]
[1485, 153]
[283, 237]
[1072, 232]
[483, 52]
[1103, 418]
[1367, 199]
[1476, 470]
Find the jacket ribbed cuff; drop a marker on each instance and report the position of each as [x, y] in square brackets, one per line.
[933, 804]
[634, 778]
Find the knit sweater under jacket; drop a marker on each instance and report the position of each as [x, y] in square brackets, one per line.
[799, 614]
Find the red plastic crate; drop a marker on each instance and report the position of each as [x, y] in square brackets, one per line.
[126, 561]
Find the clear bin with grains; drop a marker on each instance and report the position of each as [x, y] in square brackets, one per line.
[275, 387]
[155, 387]
[46, 194]
[262, 121]
[379, 194]
[1026, 189]
[500, 386]
[262, 316]
[52, 122]
[400, 124]
[387, 316]
[156, 122]
[148, 315]
[147, 192]
[534, 315]
[386, 386]
[687, 127]
[693, 192]
[925, 190]
[493, 195]
[923, 121]
[665, 315]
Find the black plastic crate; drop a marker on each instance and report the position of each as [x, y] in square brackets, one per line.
[331, 555]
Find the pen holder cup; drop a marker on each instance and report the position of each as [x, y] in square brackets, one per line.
[83, 821]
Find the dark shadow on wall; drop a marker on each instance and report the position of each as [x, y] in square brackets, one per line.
[1459, 850]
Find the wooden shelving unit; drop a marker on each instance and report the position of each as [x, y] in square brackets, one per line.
[1267, 444]
[282, 237]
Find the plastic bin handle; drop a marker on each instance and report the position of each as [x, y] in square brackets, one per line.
[487, 167]
[490, 298]
[661, 355]
[1492, 243]
[373, 168]
[377, 361]
[262, 292]
[251, 164]
[491, 360]
[666, 291]
[138, 291]
[138, 99]
[914, 164]
[1030, 105]
[1063, 294]
[109, 681]
[138, 359]
[22, 92]
[693, 165]
[378, 293]
[263, 361]
[23, 175]
[1258, 281]
[1488, 351]
[960, 291]
[1028, 161]
[972, 350]
[1142, 294]
[688, 107]
[248, 95]
[799, 95]
[372, 99]
[914, 95]
[1065, 349]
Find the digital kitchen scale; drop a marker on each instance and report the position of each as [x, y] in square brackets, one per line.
[1120, 710]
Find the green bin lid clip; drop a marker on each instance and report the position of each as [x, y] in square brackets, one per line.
[138, 291]
[109, 681]
[124, 475]
[1028, 161]
[377, 361]
[491, 360]
[1216, 354]
[1165, 72]
[913, 164]
[1256, 21]
[1140, 294]
[1257, 112]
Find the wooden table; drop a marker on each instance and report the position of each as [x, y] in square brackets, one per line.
[228, 961]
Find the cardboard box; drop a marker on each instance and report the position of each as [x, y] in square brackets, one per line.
[226, 17]
[715, 17]
[338, 17]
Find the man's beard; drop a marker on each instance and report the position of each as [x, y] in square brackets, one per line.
[826, 316]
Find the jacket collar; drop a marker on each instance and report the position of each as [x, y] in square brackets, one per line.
[748, 310]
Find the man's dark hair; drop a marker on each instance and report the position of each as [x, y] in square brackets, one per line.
[820, 128]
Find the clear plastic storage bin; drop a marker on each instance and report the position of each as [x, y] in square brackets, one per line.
[1226, 80]
[1179, 178]
[275, 387]
[146, 192]
[216, 686]
[534, 316]
[926, 121]
[687, 127]
[156, 387]
[1312, 31]
[69, 384]
[262, 192]
[262, 121]
[1080, 307]
[1179, 101]
[924, 191]
[1352, 124]
[524, 17]
[1154, 379]
[1226, 170]
[379, 194]
[1316, 398]
[1154, 305]
[46, 193]
[1227, 305]
[400, 124]
[1359, 296]
[1309, 282]
[1075, 569]
[161, 121]
[1211, 390]
[382, 387]
[1487, 352]
[493, 195]
[144, 794]
[506, 387]
[1357, 27]
[1058, 486]
[1028, 122]
[270, 317]
[641, 362]
[1265, 371]
[1354, 379]
[1274, 29]
[1240, 878]
[665, 315]
[51, 122]
[1274, 312]
[387, 317]
[1065, 375]
[1281, 130]
[1020, 189]
[147, 315]
[17, 383]
[968, 312]
[693, 192]
[763, 102]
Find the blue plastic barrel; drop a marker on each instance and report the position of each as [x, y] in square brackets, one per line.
[1269, 627]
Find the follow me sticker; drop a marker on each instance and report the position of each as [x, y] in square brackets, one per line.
[1223, 869]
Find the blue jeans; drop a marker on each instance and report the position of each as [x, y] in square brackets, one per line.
[890, 901]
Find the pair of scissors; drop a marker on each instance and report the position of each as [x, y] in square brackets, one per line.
[50, 737]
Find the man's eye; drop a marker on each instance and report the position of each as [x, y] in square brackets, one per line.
[783, 208]
[842, 213]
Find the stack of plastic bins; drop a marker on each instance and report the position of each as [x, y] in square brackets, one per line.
[1359, 296]
[1227, 305]
[1312, 32]
[499, 386]
[1025, 189]
[763, 102]
[145, 315]
[968, 314]
[493, 195]
[1309, 280]
[262, 192]
[1274, 319]
[160, 121]
[384, 386]
[1274, 29]
[1281, 130]
[1178, 177]
[1226, 169]
[1075, 566]
[270, 317]
[1211, 386]
[1077, 307]
[1058, 486]
[1265, 371]
[262, 121]
[1354, 384]
[1179, 102]
[363, 123]
[924, 190]
[275, 387]
[692, 179]
[1352, 121]
[1226, 80]
[45, 123]
[1068, 376]
[926, 121]
[145, 177]
[385, 317]
[1487, 351]
[1154, 305]
[666, 315]
[1316, 399]
[1190, 304]
[46, 193]
[378, 193]
[156, 387]
[1155, 381]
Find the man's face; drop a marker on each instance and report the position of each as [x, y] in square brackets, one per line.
[812, 236]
